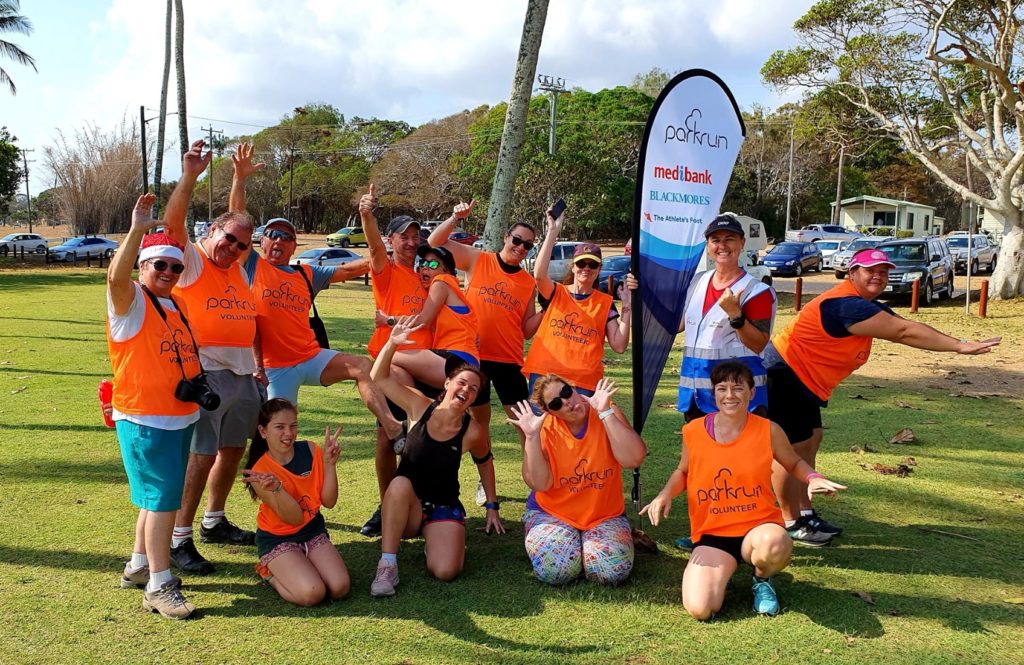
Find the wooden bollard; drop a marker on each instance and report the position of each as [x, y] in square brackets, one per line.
[915, 292]
[366, 278]
[611, 284]
[983, 301]
[799, 293]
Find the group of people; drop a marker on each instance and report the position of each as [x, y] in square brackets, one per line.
[210, 346]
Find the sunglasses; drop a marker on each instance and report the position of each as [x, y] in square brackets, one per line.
[161, 265]
[432, 264]
[516, 241]
[564, 394]
[232, 239]
[587, 263]
[278, 234]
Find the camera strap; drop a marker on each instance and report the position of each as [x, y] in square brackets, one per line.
[316, 324]
[163, 315]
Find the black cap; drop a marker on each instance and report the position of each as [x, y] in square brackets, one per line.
[725, 222]
[447, 260]
[400, 224]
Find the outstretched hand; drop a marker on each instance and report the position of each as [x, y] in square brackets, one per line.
[331, 449]
[493, 522]
[260, 480]
[194, 162]
[822, 485]
[403, 330]
[525, 419]
[142, 213]
[602, 397]
[975, 348]
[659, 507]
[242, 160]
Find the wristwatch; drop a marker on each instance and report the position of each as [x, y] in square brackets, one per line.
[391, 321]
[492, 505]
[739, 321]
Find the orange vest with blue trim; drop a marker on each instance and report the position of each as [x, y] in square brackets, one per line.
[454, 331]
[304, 489]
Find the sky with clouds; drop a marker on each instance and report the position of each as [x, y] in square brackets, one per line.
[249, 62]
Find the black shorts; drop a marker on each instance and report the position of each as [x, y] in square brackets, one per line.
[731, 545]
[792, 405]
[694, 412]
[508, 381]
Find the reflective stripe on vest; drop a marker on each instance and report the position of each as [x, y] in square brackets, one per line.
[709, 340]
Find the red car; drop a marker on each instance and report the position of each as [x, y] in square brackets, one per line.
[464, 237]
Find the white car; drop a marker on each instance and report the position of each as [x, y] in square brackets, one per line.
[326, 256]
[816, 232]
[561, 259]
[16, 242]
[829, 248]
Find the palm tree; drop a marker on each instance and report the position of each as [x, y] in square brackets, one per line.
[11, 21]
[162, 128]
[179, 67]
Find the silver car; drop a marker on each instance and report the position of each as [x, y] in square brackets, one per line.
[829, 248]
[842, 258]
[326, 256]
[82, 247]
[561, 259]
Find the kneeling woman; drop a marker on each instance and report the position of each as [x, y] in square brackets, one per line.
[293, 479]
[573, 459]
[423, 497]
[726, 470]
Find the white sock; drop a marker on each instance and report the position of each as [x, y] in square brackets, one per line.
[138, 561]
[806, 513]
[158, 579]
[180, 535]
[211, 519]
[390, 558]
[790, 523]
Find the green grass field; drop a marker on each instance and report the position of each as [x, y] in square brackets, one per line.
[935, 556]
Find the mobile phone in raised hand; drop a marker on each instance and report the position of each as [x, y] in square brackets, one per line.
[558, 209]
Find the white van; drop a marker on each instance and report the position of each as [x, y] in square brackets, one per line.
[757, 240]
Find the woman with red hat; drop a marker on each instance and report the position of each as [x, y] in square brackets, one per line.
[829, 339]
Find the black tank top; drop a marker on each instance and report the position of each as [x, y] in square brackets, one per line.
[433, 466]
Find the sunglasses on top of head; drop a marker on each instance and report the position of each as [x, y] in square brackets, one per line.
[278, 234]
[564, 394]
[431, 264]
[160, 265]
[588, 263]
[516, 241]
[242, 246]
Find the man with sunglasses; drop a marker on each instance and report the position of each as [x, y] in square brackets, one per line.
[222, 313]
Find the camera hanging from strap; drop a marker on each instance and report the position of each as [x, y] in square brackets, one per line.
[316, 324]
[163, 315]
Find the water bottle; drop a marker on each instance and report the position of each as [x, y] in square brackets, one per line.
[106, 395]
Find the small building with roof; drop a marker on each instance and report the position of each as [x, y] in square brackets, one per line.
[882, 216]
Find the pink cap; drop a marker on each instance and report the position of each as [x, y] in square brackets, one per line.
[866, 258]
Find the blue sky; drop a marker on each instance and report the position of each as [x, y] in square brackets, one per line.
[249, 62]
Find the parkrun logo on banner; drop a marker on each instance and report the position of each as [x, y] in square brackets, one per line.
[690, 132]
[569, 328]
[680, 197]
[696, 177]
[497, 295]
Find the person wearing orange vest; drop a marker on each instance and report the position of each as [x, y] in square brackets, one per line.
[423, 497]
[726, 471]
[447, 311]
[153, 355]
[577, 317]
[215, 293]
[827, 341]
[397, 290]
[575, 451]
[293, 479]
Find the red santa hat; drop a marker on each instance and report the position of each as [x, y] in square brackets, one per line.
[160, 245]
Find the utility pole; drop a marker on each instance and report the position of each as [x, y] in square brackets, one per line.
[28, 198]
[145, 168]
[291, 178]
[209, 175]
[789, 184]
[553, 85]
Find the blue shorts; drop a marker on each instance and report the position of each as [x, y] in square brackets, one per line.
[155, 461]
[443, 513]
[285, 381]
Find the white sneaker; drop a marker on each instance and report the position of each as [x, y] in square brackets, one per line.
[385, 581]
[481, 495]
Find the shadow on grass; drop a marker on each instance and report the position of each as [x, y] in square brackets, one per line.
[96, 322]
[15, 280]
[21, 369]
[51, 471]
[96, 337]
[55, 427]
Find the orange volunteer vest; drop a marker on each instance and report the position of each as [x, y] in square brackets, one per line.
[398, 291]
[282, 315]
[453, 331]
[220, 305]
[586, 486]
[146, 369]
[819, 360]
[729, 486]
[570, 339]
[305, 490]
[500, 301]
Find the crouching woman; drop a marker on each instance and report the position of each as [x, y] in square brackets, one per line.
[575, 451]
[293, 479]
[726, 470]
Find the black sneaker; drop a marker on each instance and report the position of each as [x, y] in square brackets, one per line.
[804, 533]
[816, 522]
[226, 533]
[372, 527]
[187, 558]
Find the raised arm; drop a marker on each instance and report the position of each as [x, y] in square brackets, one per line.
[464, 255]
[193, 163]
[536, 467]
[378, 252]
[540, 268]
[119, 275]
[918, 335]
[411, 401]
[350, 270]
[627, 446]
[330, 452]
[242, 162]
[437, 296]
[617, 330]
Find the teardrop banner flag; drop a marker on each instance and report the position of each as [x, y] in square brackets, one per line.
[690, 145]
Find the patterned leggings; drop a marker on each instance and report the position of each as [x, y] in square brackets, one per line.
[560, 552]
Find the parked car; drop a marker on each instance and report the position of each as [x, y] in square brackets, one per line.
[616, 268]
[82, 247]
[829, 248]
[816, 232]
[478, 243]
[983, 252]
[16, 242]
[561, 259]
[201, 230]
[463, 237]
[927, 259]
[258, 233]
[793, 258]
[326, 256]
[350, 235]
[842, 258]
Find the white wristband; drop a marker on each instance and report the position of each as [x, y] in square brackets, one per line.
[607, 412]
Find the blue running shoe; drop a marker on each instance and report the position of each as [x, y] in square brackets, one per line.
[684, 543]
[765, 600]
